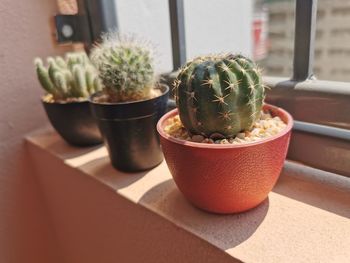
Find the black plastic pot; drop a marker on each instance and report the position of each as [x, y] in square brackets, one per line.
[129, 131]
[74, 122]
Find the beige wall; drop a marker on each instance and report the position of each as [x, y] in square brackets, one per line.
[25, 232]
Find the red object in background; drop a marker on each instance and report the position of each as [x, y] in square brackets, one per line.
[260, 35]
[226, 178]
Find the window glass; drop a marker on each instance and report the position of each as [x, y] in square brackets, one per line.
[218, 26]
[150, 21]
[332, 48]
[273, 33]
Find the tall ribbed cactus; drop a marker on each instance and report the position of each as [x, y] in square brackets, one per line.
[72, 77]
[125, 67]
[219, 95]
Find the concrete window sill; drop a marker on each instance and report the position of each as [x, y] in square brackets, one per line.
[102, 215]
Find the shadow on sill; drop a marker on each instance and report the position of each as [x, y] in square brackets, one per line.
[224, 231]
[50, 140]
[102, 169]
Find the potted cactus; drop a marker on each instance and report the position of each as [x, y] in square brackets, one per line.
[224, 147]
[68, 82]
[130, 104]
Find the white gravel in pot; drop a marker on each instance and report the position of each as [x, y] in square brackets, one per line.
[266, 126]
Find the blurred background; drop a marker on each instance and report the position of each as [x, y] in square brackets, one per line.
[262, 29]
[332, 51]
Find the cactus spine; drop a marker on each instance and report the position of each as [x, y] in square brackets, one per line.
[72, 77]
[219, 95]
[125, 67]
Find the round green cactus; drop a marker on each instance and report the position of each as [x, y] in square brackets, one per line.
[219, 95]
[125, 67]
[72, 77]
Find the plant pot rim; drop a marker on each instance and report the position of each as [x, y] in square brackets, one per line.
[174, 112]
[90, 99]
[63, 102]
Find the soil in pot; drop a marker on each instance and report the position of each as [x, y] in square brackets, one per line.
[73, 121]
[265, 127]
[129, 129]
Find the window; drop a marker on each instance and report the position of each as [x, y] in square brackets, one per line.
[332, 51]
[331, 54]
[278, 58]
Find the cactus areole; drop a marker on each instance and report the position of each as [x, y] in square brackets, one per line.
[219, 95]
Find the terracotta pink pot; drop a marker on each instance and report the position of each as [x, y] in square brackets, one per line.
[225, 178]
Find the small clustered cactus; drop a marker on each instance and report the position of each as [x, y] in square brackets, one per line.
[125, 67]
[218, 96]
[71, 78]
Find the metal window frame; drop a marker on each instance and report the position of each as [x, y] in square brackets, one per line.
[321, 109]
[178, 37]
